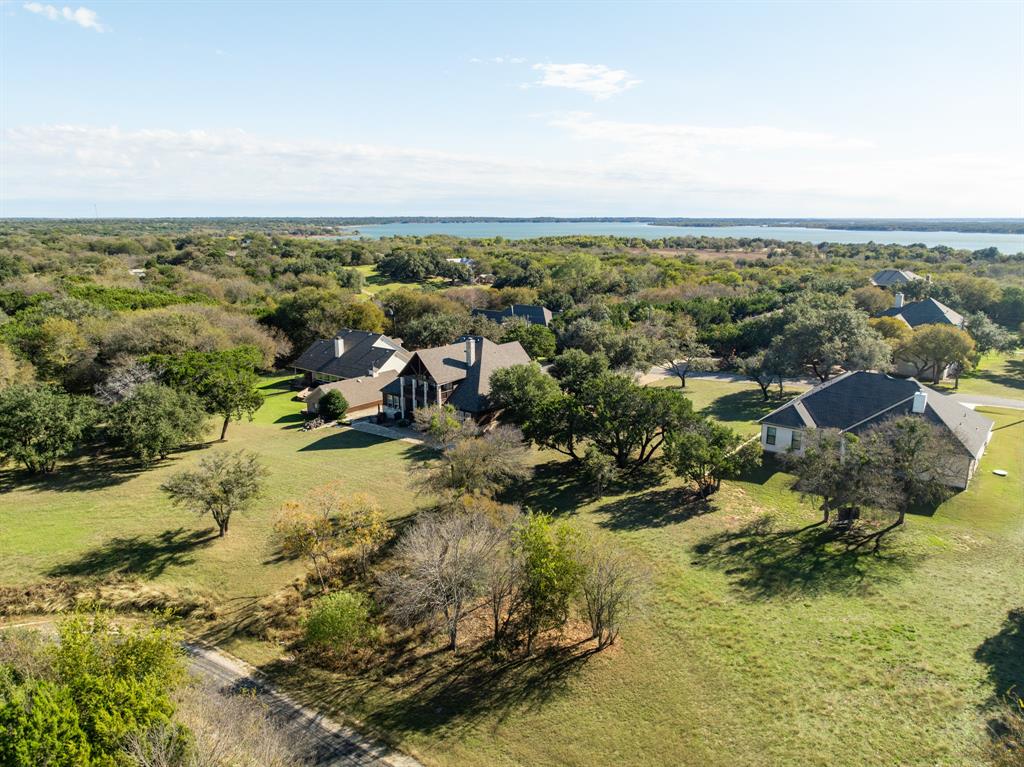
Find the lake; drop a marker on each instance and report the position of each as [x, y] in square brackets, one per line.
[1006, 243]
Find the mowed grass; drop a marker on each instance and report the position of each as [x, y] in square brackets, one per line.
[765, 641]
[377, 282]
[104, 516]
[997, 375]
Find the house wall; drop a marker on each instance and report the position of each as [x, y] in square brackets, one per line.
[783, 439]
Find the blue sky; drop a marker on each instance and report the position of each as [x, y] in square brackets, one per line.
[727, 109]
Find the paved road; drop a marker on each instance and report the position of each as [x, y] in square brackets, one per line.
[986, 401]
[326, 743]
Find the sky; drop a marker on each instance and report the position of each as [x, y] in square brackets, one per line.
[520, 109]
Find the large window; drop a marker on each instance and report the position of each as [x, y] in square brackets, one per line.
[769, 435]
[796, 442]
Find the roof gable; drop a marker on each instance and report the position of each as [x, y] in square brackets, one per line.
[363, 352]
[926, 312]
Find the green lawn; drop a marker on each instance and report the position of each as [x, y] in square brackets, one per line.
[998, 375]
[376, 282]
[764, 641]
[102, 516]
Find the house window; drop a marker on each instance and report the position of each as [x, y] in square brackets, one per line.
[796, 442]
[769, 435]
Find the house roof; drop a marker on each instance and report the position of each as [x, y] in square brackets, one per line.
[857, 400]
[926, 312]
[886, 277]
[358, 392]
[363, 352]
[535, 315]
[447, 364]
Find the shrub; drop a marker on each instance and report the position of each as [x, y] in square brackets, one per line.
[339, 621]
[333, 406]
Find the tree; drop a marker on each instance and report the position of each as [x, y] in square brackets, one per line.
[39, 722]
[223, 484]
[537, 340]
[305, 532]
[155, 420]
[443, 424]
[871, 300]
[987, 335]
[363, 526]
[934, 348]
[551, 573]
[705, 452]
[574, 368]
[41, 423]
[434, 330]
[610, 589]
[763, 369]
[920, 459]
[226, 382]
[894, 330]
[13, 370]
[442, 564]
[332, 406]
[475, 465]
[675, 346]
[629, 421]
[824, 332]
[598, 468]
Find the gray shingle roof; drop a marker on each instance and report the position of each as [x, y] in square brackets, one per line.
[358, 392]
[926, 312]
[359, 357]
[886, 277]
[857, 400]
[447, 364]
[535, 315]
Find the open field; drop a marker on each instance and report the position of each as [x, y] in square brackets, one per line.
[377, 283]
[998, 375]
[103, 517]
[764, 640]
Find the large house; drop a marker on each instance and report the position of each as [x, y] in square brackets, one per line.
[458, 375]
[535, 315]
[886, 278]
[855, 401]
[926, 312]
[350, 354]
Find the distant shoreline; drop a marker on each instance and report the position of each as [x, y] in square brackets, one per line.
[962, 225]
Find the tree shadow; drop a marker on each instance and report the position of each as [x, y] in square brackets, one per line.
[345, 439]
[1003, 654]
[743, 406]
[441, 692]
[1012, 377]
[292, 420]
[763, 562]
[285, 384]
[554, 488]
[655, 508]
[139, 555]
[91, 473]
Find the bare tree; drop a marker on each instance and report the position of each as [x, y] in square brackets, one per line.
[611, 590]
[442, 566]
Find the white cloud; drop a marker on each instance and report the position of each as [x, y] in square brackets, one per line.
[82, 16]
[603, 167]
[595, 80]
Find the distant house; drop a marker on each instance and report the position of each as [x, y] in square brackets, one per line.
[535, 315]
[926, 312]
[889, 277]
[458, 375]
[363, 395]
[855, 401]
[350, 354]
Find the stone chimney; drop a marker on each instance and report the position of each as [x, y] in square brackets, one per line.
[470, 352]
[339, 346]
[899, 300]
[920, 400]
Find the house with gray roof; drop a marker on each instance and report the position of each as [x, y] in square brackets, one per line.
[926, 312]
[458, 374]
[535, 315]
[855, 401]
[350, 354]
[886, 278]
[363, 395]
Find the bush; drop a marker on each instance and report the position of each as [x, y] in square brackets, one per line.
[339, 621]
[333, 406]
